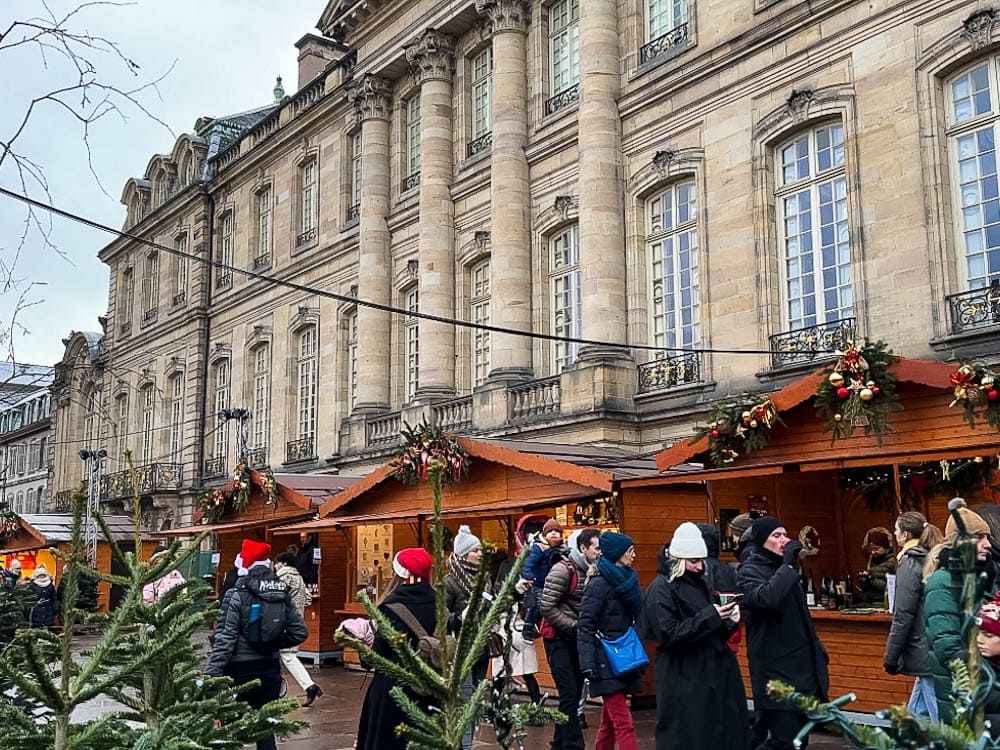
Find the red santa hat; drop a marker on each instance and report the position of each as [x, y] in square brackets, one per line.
[251, 553]
[413, 561]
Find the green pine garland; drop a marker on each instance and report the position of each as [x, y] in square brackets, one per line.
[737, 425]
[858, 391]
[976, 390]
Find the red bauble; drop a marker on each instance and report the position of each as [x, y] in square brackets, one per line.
[992, 395]
[875, 389]
[843, 393]
[715, 434]
[761, 413]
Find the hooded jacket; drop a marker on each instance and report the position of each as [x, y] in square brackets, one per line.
[906, 650]
[559, 604]
[43, 612]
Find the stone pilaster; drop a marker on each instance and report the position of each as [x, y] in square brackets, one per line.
[370, 96]
[433, 61]
[510, 266]
[602, 217]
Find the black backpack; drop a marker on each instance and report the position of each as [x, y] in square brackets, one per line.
[263, 612]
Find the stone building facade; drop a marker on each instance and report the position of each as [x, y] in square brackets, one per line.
[25, 407]
[704, 193]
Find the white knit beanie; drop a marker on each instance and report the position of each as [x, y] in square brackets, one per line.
[688, 543]
[465, 541]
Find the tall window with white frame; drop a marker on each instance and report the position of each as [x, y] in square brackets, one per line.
[310, 202]
[261, 387]
[221, 441]
[121, 426]
[148, 419]
[973, 115]
[353, 210]
[665, 16]
[227, 235]
[811, 198]
[411, 109]
[180, 269]
[264, 200]
[564, 287]
[89, 424]
[411, 342]
[306, 374]
[482, 97]
[151, 287]
[564, 45]
[672, 250]
[352, 359]
[176, 417]
[126, 300]
[479, 313]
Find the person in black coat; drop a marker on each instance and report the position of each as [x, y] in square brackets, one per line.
[612, 603]
[46, 604]
[380, 714]
[700, 701]
[719, 576]
[781, 639]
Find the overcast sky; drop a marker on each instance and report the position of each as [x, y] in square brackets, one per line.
[225, 56]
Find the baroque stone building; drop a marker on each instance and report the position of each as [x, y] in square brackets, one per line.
[25, 406]
[705, 192]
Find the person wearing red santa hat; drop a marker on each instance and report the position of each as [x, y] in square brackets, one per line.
[410, 590]
[241, 649]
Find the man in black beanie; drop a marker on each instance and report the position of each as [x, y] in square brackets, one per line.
[781, 640]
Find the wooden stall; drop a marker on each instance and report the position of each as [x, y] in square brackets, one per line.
[803, 479]
[38, 534]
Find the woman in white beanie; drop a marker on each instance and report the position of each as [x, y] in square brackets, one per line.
[700, 700]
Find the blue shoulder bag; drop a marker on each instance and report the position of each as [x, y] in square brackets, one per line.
[625, 653]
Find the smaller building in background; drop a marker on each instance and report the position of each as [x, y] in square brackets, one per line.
[25, 410]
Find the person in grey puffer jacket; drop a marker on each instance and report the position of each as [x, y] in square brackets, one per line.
[284, 566]
[907, 649]
[235, 656]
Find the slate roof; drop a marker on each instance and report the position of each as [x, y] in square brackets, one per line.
[317, 487]
[58, 527]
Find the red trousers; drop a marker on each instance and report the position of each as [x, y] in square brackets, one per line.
[616, 725]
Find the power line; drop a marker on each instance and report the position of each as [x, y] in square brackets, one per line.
[378, 306]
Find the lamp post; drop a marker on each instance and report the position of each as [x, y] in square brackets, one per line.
[93, 460]
[242, 417]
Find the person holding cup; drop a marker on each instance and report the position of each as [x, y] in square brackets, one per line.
[700, 700]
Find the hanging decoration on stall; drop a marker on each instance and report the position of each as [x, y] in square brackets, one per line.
[975, 388]
[858, 392]
[739, 425]
[873, 484]
[917, 482]
[212, 505]
[234, 494]
[240, 484]
[10, 524]
[270, 487]
[428, 444]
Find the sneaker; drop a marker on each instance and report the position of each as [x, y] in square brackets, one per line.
[313, 692]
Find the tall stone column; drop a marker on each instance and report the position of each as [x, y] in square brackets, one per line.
[433, 61]
[510, 238]
[602, 214]
[372, 103]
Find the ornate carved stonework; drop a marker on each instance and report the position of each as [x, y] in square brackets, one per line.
[978, 28]
[370, 96]
[505, 15]
[663, 159]
[564, 203]
[482, 237]
[413, 268]
[798, 105]
[432, 56]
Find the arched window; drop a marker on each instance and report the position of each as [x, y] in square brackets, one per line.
[564, 290]
[187, 170]
[811, 202]
[479, 312]
[306, 370]
[261, 391]
[672, 249]
[221, 391]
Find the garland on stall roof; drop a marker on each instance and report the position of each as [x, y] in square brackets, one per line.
[738, 425]
[212, 505]
[423, 445]
[976, 390]
[859, 391]
[10, 524]
[241, 486]
[270, 487]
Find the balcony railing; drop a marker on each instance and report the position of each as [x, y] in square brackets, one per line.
[805, 345]
[454, 415]
[353, 212]
[262, 261]
[303, 449]
[304, 238]
[384, 430]
[149, 315]
[977, 308]
[257, 457]
[410, 182]
[670, 372]
[479, 145]
[308, 97]
[214, 468]
[563, 99]
[156, 477]
[533, 401]
[673, 39]
[224, 280]
[179, 298]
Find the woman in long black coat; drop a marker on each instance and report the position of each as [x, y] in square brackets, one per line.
[380, 714]
[700, 701]
[46, 605]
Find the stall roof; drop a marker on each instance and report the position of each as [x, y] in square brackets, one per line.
[48, 529]
[317, 487]
[921, 371]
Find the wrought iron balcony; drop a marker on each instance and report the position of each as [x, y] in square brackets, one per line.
[670, 372]
[304, 238]
[180, 298]
[300, 450]
[354, 212]
[257, 457]
[977, 308]
[480, 145]
[149, 315]
[224, 280]
[149, 478]
[563, 99]
[214, 468]
[410, 182]
[805, 345]
[673, 39]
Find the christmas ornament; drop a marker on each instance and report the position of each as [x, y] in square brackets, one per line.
[837, 417]
[866, 394]
[428, 449]
[858, 391]
[843, 393]
[974, 387]
[836, 379]
[739, 425]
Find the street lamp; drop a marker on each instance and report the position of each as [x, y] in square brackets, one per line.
[242, 417]
[93, 461]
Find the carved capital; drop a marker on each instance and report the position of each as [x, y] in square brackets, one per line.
[505, 15]
[977, 29]
[798, 105]
[370, 96]
[432, 56]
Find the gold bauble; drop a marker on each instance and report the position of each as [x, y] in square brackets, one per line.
[966, 371]
[746, 416]
[753, 423]
[870, 384]
[836, 379]
[837, 417]
[866, 394]
[987, 381]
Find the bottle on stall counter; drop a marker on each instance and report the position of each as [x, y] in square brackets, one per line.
[824, 592]
[834, 600]
[810, 592]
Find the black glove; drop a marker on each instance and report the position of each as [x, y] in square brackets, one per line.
[891, 668]
[791, 553]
